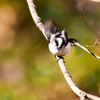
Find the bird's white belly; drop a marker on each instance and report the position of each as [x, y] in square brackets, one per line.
[62, 52]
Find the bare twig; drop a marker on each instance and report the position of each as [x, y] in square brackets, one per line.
[95, 1]
[72, 85]
[96, 43]
[35, 16]
[98, 57]
[90, 23]
[64, 70]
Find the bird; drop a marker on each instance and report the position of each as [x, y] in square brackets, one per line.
[59, 42]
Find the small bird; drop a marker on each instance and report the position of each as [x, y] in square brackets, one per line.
[59, 42]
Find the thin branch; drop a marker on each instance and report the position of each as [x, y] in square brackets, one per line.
[98, 1]
[98, 57]
[89, 23]
[35, 16]
[64, 70]
[96, 43]
[82, 97]
[72, 85]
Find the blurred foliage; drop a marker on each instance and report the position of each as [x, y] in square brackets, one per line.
[28, 71]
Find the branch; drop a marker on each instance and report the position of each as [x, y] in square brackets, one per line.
[98, 1]
[98, 57]
[96, 43]
[72, 85]
[35, 16]
[61, 63]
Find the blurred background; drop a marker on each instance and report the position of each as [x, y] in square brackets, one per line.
[28, 71]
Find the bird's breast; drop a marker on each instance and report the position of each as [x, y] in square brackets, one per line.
[62, 52]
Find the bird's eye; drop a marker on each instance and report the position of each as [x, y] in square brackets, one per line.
[56, 42]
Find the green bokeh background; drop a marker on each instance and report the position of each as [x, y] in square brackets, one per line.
[28, 71]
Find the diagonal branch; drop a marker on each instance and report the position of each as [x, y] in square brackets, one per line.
[35, 16]
[98, 57]
[71, 83]
[64, 70]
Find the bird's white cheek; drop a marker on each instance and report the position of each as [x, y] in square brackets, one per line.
[53, 49]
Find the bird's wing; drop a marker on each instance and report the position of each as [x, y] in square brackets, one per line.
[50, 28]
